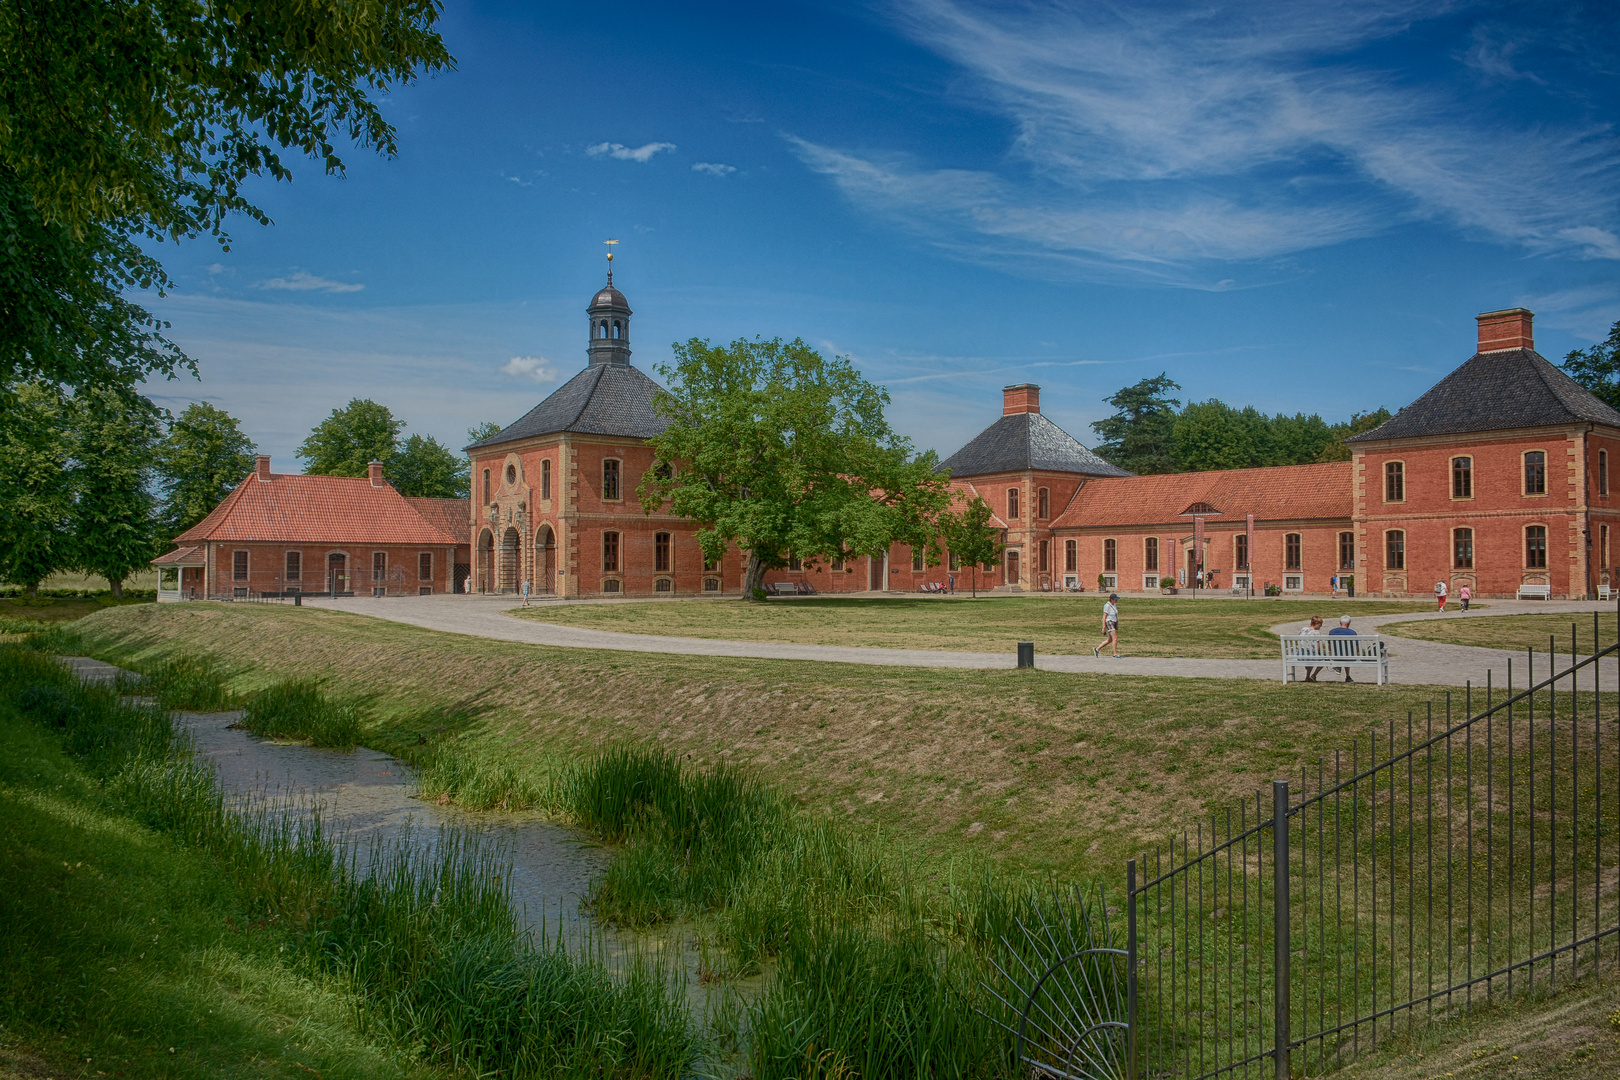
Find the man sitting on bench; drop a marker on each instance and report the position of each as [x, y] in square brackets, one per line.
[1342, 630]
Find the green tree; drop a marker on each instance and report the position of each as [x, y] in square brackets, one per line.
[1338, 449]
[781, 451]
[123, 123]
[115, 439]
[36, 484]
[203, 457]
[348, 441]
[1598, 368]
[973, 537]
[480, 432]
[1140, 435]
[1299, 439]
[424, 466]
[1213, 435]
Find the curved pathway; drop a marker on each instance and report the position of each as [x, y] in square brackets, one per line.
[1412, 662]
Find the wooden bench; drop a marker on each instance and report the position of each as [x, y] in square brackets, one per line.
[1535, 592]
[1604, 593]
[1345, 651]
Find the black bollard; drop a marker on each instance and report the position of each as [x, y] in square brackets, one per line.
[298, 599]
[1026, 654]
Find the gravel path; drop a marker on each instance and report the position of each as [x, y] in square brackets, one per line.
[1413, 662]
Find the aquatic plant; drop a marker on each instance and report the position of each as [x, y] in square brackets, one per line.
[450, 771]
[301, 709]
[194, 683]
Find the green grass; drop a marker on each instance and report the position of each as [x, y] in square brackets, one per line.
[302, 709]
[58, 609]
[1230, 628]
[185, 682]
[1516, 632]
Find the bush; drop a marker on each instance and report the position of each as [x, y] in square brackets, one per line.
[300, 709]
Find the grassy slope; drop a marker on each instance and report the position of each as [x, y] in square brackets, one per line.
[1510, 631]
[56, 609]
[116, 945]
[1057, 624]
[1044, 768]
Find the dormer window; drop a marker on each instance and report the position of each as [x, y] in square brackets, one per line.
[1200, 508]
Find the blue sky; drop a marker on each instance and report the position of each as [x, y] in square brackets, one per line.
[1292, 205]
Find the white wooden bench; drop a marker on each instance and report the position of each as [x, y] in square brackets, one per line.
[1344, 651]
[1603, 592]
[1535, 592]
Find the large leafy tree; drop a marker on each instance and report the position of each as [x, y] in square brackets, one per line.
[115, 441]
[1213, 435]
[424, 466]
[126, 121]
[1598, 368]
[1140, 435]
[973, 537]
[349, 440]
[36, 489]
[203, 457]
[781, 451]
[1338, 449]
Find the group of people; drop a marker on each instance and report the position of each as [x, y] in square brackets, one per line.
[1314, 629]
[1464, 594]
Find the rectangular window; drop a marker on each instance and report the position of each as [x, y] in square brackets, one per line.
[1240, 551]
[486, 487]
[424, 566]
[1347, 551]
[379, 567]
[1071, 556]
[661, 553]
[610, 553]
[610, 479]
[545, 478]
[955, 562]
[1462, 549]
[239, 566]
[1462, 478]
[795, 563]
[1291, 551]
[712, 565]
[1394, 481]
[1603, 473]
[1603, 546]
[1395, 550]
[916, 560]
[1150, 553]
[838, 565]
[1012, 503]
[295, 565]
[1110, 555]
[1535, 473]
[1045, 563]
[1045, 498]
[1535, 547]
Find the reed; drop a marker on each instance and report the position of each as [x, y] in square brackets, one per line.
[193, 683]
[301, 709]
[450, 771]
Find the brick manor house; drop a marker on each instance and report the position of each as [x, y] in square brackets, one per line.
[1497, 477]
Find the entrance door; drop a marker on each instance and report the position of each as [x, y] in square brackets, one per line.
[545, 550]
[1192, 566]
[875, 578]
[337, 573]
[1012, 567]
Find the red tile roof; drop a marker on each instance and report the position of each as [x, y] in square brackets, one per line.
[454, 516]
[184, 556]
[1287, 492]
[292, 508]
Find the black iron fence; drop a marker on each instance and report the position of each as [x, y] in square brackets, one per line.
[1469, 851]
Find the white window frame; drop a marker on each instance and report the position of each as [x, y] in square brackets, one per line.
[1150, 582]
[1110, 582]
[1294, 582]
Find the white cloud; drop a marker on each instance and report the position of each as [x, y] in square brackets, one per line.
[215, 268]
[713, 168]
[304, 281]
[534, 368]
[1594, 243]
[1158, 141]
[621, 152]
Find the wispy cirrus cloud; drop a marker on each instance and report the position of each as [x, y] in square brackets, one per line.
[714, 168]
[620, 152]
[533, 368]
[1156, 144]
[304, 281]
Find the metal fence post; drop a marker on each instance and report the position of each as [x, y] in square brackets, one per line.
[1130, 969]
[1279, 925]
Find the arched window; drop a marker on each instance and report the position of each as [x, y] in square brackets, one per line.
[1395, 550]
[604, 331]
[1045, 564]
[1394, 481]
[1462, 478]
[618, 330]
[1535, 547]
[1045, 500]
[1462, 549]
[1347, 551]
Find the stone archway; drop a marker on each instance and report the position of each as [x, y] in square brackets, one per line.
[511, 553]
[545, 556]
[486, 562]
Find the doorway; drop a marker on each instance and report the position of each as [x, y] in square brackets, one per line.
[1012, 567]
[509, 561]
[486, 562]
[337, 573]
[875, 579]
[545, 549]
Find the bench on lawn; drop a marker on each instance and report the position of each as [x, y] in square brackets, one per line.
[1535, 592]
[1345, 651]
[1604, 593]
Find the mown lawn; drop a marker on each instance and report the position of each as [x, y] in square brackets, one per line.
[57, 609]
[1057, 624]
[1516, 632]
[1046, 769]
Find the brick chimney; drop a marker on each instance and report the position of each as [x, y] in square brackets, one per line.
[374, 470]
[1025, 397]
[261, 468]
[1507, 329]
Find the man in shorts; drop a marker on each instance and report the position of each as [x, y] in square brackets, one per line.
[1110, 626]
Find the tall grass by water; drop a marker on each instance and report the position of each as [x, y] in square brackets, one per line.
[428, 942]
[195, 683]
[302, 709]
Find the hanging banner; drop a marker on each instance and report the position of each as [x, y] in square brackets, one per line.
[1198, 550]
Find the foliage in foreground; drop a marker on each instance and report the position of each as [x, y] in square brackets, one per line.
[301, 709]
[428, 945]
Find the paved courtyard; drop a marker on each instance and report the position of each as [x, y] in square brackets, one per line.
[1414, 662]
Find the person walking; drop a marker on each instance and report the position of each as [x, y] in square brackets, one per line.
[525, 592]
[1440, 594]
[1465, 594]
[1110, 626]
[1312, 629]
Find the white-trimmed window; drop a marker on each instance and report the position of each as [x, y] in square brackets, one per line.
[1462, 478]
[1535, 547]
[1394, 481]
[610, 479]
[1150, 553]
[1071, 556]
[1012, 503]
[1150, 582]
[1293, 583]
[1535, 472]
[1110, 582]
[1395, 549]
[1462, 549]
[1110, 554]
[1293, 551]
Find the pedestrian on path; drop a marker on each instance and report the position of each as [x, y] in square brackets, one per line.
[525, 592]
[1465, 594]
[1110, 626]
[1440, 594]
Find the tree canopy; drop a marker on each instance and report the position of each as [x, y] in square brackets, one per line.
[973, 537]
[1598, 368]
[424, 466]
[36, 495]
[783, 452]
[1139, 435]
[350, 439]
[203, 457]
[122, 122]
[115, 440]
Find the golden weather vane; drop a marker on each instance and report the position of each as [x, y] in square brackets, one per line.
[610, 244]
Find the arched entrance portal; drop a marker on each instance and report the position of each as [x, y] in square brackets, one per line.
[545, 553]
[509, 561]
[486, 562]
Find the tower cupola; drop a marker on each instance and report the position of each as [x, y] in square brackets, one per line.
[609, 314]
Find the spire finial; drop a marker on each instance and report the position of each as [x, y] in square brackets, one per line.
[610, 244]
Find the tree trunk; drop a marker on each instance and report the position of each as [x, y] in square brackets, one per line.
[32, 590]
[975, 581]
[117, 585]
[753, 577]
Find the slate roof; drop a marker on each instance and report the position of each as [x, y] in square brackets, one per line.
[454, 516]
[297, 509]
[1492, 391]
[1026, 441]
[604, 399]
[1281, 493]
